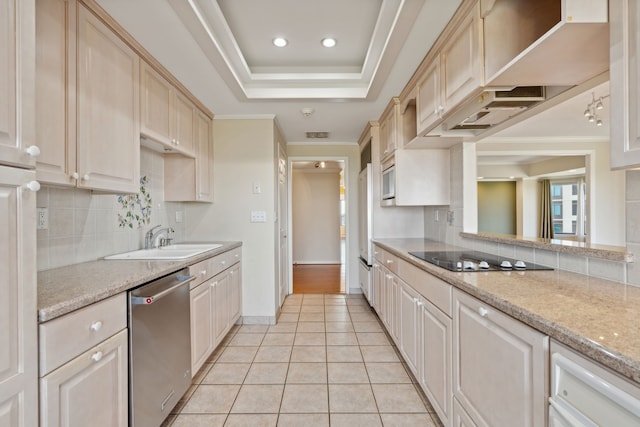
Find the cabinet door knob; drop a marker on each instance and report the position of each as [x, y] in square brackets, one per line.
[96, 326]
[86, 177]
[389, 261]
[483, 312]
[32, 185]
[223, 262]
[33, 150]
[97, 356]
[75, 175]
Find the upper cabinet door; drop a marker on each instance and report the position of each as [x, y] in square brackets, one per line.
[17, 67]
[204, 159]
[624, 16]
[184, 133]
[429, 105]
[55, 90]
[108, 109]
[155, 105]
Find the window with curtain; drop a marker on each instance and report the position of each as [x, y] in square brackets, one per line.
[568, 201]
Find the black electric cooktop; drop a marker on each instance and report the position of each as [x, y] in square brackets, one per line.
[475, 261]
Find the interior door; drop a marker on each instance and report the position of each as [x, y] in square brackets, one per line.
[283, 225]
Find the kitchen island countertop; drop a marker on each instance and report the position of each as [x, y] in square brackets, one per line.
[596, 317]
[65, 289]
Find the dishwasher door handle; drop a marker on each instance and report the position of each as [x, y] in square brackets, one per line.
[172, 286]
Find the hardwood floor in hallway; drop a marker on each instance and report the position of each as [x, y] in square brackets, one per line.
[318, 279]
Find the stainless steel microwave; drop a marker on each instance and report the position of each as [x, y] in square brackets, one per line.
[389, 183]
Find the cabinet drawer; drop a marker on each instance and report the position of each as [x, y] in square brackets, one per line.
[435, 290]
[201, 271]
[387, 259]
[208, 268]
[66, 337]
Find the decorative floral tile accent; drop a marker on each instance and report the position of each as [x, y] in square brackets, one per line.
[136, 207]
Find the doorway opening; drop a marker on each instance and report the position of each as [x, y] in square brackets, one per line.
[318, 226]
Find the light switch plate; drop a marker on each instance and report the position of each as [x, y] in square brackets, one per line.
[258, 216]
[179, 216]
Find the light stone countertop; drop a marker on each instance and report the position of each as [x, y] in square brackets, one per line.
[65, 289]
[596, 317]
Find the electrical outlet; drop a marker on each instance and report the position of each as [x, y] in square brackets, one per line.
[450, 217]
[179, 216]
[258, 216]
[43, 219]
[256, 188]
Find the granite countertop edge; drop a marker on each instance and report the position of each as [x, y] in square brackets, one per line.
[622, 364]
[66, 289]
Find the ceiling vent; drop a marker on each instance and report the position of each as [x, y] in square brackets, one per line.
[316, 135]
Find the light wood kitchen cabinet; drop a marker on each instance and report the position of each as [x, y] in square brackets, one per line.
[422, 178]
[389, 130]
[434, 363]
[216, 303]
[202, 337]
[16, 82]
[84, 366]
[392, 287]
[453, 73]
[410, 305]
[18, 322]
[88, 105]
[188, 179]
[90, 389]
[624, 17]
[378, 297]
[167, 116]
[500, 366]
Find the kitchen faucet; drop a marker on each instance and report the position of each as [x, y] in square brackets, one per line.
[153, 240]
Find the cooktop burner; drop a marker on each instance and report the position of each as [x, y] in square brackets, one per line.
[475, 261]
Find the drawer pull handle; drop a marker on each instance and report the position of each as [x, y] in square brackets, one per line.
[203, 273]
[97, 356]
[223, 262]
[96, 326]
[483, 312]
[389, 261]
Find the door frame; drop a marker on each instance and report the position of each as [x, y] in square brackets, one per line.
[347, 214]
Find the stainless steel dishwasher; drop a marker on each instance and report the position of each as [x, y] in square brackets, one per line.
[159, 348]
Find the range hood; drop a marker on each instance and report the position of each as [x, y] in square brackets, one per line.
[489, 109]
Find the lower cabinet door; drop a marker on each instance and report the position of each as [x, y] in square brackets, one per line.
[202, 336]
[235, 285]
[434, 369]
[460, 417]
[409, 326]
[501, 366]
[90, 390]
[221, 309]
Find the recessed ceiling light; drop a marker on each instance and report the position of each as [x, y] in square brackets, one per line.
[280, 42]
[329, 42]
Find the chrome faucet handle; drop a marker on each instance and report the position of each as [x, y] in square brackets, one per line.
[148, 236]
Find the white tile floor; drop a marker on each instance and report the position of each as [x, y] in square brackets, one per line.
[327, 362]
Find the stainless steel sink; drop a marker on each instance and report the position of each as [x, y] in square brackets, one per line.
[177, 251]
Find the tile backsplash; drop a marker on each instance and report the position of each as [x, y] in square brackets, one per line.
[84, 226]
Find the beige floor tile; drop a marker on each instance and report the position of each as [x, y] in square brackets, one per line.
[356, 420]
[278, 339]
[306, 420]
[341, 338]
[309, 354]
[337, 317]
[403, 420]
[258, 399]
[335, 302]
[372, 338]
[283, 327]
[211, 399]
[246, 340]
[273, 354]
[288, 317]
[312, 309]
[253, 420]
[351, 398]
[379, 353]
[387, 373]
[358, 301]
[202, 372]
[363, 317]
[237, 355]
[336, 309]
[199, 420]
[372, 326]
[311, 327]
[307, 373]
[339, 326]
[359, 309]
[311, 317]
[309, 338]
[317, 302]
[267, 373]
[398, 398]
[290, 309]
[342, 353]
[253, 329]
[227, 373]
[347, 373]
[299, 398]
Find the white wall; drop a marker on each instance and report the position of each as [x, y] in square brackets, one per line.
[243, 151]
[316, 216]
